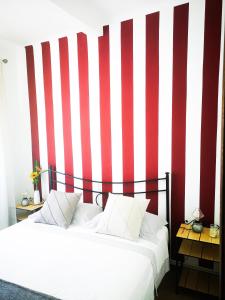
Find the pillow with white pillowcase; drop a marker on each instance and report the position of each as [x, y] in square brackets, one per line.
[58, 209]
[93, 223]
[151, 225]
[123, 216]
[85, 212]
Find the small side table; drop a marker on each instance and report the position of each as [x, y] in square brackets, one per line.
[200, 246]
[22, 212]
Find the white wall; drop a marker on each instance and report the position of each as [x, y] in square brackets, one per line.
[18, 118]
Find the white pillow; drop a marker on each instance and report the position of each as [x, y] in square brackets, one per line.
[58, 209]
[84, 212]
[93, 223]
[151, 225]
[123, 216]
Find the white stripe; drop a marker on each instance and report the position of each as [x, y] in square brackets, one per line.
[194, 105]
[219, 128]
[165, 100]
[41, 118]
[139, 47]
[116, 109]
[75, 110]
[57, 105]
[94, 105]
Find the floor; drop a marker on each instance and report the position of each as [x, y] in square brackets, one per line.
[166, 290]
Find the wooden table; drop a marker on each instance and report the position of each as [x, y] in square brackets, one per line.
[200, 246]
[24, 211]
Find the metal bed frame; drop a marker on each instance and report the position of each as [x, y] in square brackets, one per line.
[53, 180]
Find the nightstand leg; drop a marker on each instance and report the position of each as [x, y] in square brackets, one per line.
[177, 275]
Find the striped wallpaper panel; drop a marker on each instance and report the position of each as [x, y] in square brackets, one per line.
[140, 100]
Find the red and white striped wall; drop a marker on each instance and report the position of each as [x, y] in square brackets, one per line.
[142, 99]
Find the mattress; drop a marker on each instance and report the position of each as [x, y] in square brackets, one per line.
[78, 263]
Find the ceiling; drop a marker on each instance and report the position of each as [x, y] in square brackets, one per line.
[28, 21]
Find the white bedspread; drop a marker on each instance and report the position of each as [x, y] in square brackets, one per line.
[79, 264]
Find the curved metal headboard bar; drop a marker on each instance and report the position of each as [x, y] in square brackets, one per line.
[101, 192]
[106, 182]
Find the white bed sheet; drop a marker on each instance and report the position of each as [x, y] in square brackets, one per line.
[78, 263]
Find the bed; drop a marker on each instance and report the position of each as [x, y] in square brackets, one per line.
[49, 262]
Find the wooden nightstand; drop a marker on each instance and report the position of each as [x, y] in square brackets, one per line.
[24, 211]
[200, 246]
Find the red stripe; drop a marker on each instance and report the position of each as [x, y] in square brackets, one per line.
[33, 103]
[66, 114]
[47, 75]
[213, 11]
[127, 103]
[105, 112]
[180, 44]
[33, 106]
[152, 105]
[84, 112]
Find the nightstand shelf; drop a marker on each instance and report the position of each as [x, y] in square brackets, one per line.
[199, 250]
[202, 247]
[22, 216]
[24, 211]
[185, 232]
[202, 282]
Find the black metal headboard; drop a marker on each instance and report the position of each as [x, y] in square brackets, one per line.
[53, 181]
